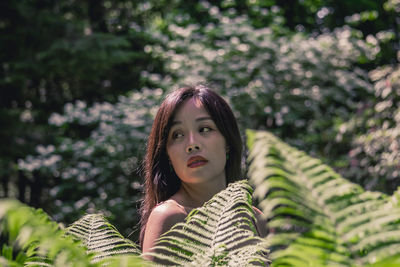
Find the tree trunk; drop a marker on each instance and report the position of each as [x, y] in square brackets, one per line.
[36, 190]
[22, 182]
[97, 13]
[4, 183]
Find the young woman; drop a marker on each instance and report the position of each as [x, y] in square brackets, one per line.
[194, 150]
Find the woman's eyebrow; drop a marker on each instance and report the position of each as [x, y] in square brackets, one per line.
[197, 119]
[203, 118]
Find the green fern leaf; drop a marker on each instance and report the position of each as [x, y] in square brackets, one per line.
[222, 232]
[35, 239]
[316, 217]
[101, 238]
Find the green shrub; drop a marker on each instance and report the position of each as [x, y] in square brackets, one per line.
[374, 135]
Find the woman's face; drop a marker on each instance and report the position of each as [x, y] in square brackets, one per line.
[195, 146]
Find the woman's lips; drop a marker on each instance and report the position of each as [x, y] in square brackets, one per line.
[196, 161]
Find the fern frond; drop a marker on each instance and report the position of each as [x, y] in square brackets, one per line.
[35, 239]
[222, 232]
[101, 237]
[316, 217]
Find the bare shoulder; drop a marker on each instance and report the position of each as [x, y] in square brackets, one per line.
[161, 219]
[167, 213]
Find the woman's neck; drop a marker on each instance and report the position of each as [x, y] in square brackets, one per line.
[195, 195]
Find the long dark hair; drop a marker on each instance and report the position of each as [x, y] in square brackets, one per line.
[160, 181]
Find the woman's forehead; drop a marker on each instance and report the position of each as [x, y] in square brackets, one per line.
[191, 107]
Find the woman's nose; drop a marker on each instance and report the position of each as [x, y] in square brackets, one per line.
[191, 148]
[193, 145]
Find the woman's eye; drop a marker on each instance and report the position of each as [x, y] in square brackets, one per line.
[176, 135]
[205, 129]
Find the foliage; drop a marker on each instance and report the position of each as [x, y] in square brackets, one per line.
[101, 171]
[305, 89]
[296, 86]
[221, 232]
[392, 5]
[55, 53]
[280, 82]
[301, 88]
[101, 238]
[374, 158]
[316, 217]
[28, 236]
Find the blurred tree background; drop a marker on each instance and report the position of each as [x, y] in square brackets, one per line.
[80, 82]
